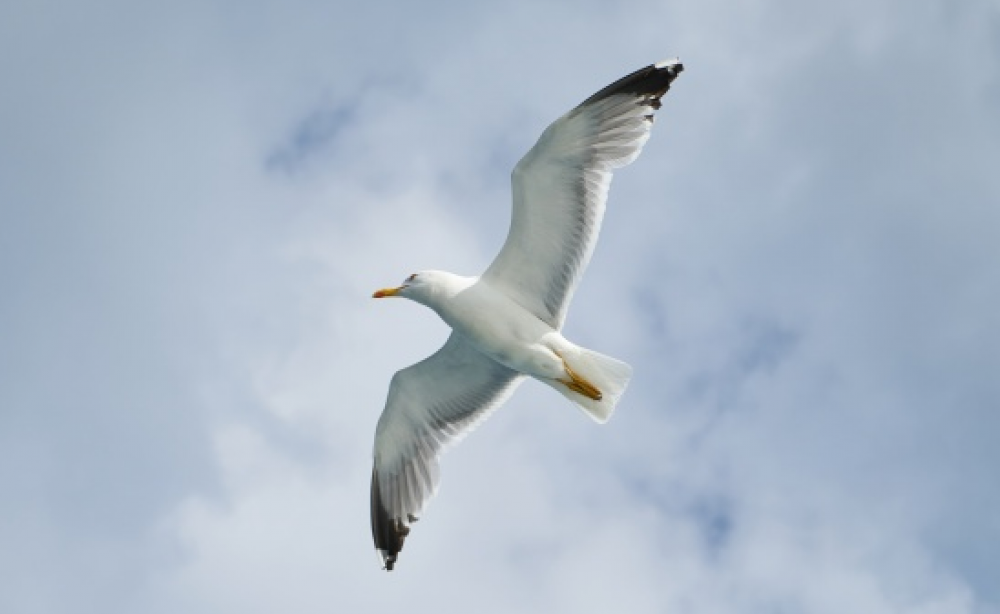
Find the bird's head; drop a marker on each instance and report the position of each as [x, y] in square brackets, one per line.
[422, 286]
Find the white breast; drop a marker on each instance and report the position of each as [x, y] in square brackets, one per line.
[503, 330]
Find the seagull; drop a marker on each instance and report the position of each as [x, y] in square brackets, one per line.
[506, 322]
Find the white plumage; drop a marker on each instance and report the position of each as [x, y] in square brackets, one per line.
[506, 324]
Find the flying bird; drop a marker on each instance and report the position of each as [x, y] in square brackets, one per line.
[506, 323]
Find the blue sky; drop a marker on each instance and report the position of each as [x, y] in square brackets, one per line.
[197, 200]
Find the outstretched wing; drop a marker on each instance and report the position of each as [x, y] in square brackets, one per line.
[561, 185]
[431, 404]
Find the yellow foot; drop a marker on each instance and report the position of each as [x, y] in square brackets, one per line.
[578, 384]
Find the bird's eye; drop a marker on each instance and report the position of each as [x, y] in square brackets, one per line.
[411, 277]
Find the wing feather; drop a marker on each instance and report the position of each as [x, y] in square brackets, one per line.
[431, 405]
[560, 188]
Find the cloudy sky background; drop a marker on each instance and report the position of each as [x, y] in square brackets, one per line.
[198, 198]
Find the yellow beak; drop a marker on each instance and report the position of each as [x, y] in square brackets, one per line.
[387, 292]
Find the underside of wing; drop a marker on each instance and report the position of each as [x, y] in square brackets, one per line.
[560, 188]
[430, 405]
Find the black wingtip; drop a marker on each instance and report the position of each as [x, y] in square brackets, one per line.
[388, 532]
[651, 83]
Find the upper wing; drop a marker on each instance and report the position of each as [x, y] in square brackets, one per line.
[431, 404]
[560, 187]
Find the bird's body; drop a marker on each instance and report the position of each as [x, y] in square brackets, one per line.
[506, 324]
[495, 324]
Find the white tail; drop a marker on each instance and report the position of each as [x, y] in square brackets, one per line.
[607, 374]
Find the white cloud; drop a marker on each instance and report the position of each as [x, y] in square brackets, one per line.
[801, 267]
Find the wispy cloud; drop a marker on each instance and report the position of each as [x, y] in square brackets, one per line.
[801, 267]
[314, 135]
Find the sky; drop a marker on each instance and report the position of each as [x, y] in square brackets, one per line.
[803, 267]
